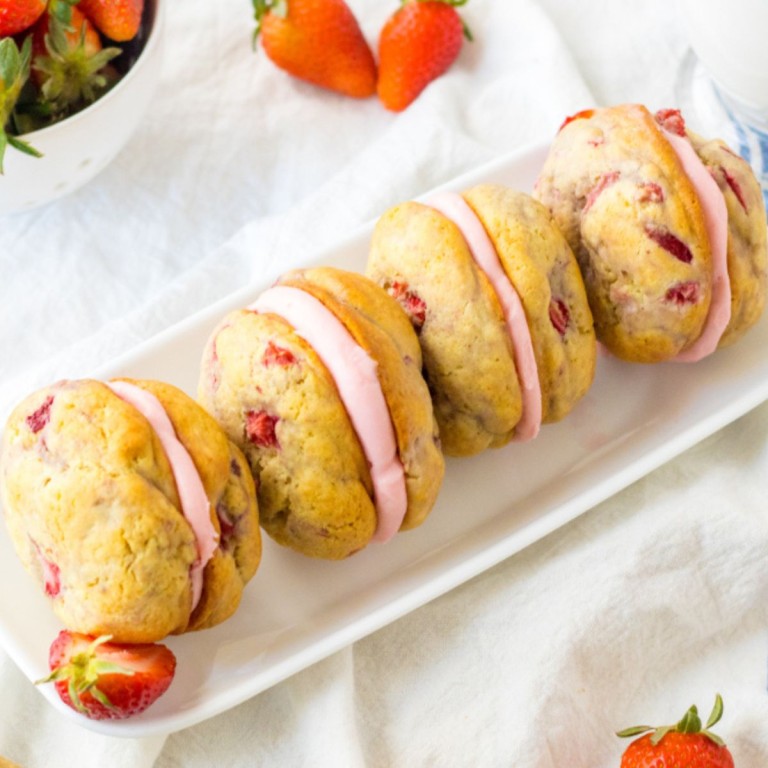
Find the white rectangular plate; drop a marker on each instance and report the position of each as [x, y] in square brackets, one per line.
[297, 611]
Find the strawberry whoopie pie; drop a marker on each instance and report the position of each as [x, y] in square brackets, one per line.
[131, 507]
[319, 382]
[669, 230]
[496, 297]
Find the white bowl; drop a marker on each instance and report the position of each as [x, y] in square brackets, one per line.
[79, 147]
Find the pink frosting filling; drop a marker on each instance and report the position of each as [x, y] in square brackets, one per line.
[354, 373]
[455, 208]
[716, 218]
[194, 502]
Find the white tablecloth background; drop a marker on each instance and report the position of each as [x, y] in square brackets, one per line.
[654, 600]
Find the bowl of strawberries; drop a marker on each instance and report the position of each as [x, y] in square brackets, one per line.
[76, 76]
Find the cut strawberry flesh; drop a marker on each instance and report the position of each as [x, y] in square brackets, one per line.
[260, 429]
[584, 114]
[414, 306]
[650, 192]
[52, 578]
[51, 573]
[39, 418]
[735, 188]
[226, 524]
[559, 315]
[671, 120]
[683, 293]
[274, 355]
[670, 243]
[108, 681]
[602, 184]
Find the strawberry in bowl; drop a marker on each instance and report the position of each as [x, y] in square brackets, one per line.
[74, 85]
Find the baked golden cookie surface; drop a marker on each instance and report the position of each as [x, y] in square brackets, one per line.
[274, 395]
[669, 230]
[93, 507]
[422, 259]
[747, 238]
[619, 194]
[499, 304]
[544, 272]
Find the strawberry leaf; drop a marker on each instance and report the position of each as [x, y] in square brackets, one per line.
[14, 72]
[713, 737]
[717, 711]
[690, 722]
[62, 10]
[660, 733]
[72, 75]
[263, 7]
[23, 146]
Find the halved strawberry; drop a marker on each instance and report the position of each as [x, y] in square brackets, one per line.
[108, 681]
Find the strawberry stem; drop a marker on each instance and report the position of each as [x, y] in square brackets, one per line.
[14, 72]
[72, 75]
[454, 4]
[83, 672]
[689, 723]
[716, 713]
[262, 8]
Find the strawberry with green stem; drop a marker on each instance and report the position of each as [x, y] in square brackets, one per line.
[14, 71]
[105, 680]
[318, 41]
[417, 44]
[69, 61]
[683, 745]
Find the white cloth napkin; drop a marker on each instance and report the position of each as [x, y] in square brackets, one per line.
[652, 601]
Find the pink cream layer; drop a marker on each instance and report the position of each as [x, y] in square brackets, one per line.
[455, 208]
[354, 373]
[716, 218]
[194, 502]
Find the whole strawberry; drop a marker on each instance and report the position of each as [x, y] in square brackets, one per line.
[119, 20]
[19, 15]
[684, 745]
[418, 43]
[108, 681]
[318, 41]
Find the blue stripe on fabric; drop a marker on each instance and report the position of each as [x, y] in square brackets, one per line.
[745, 138]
